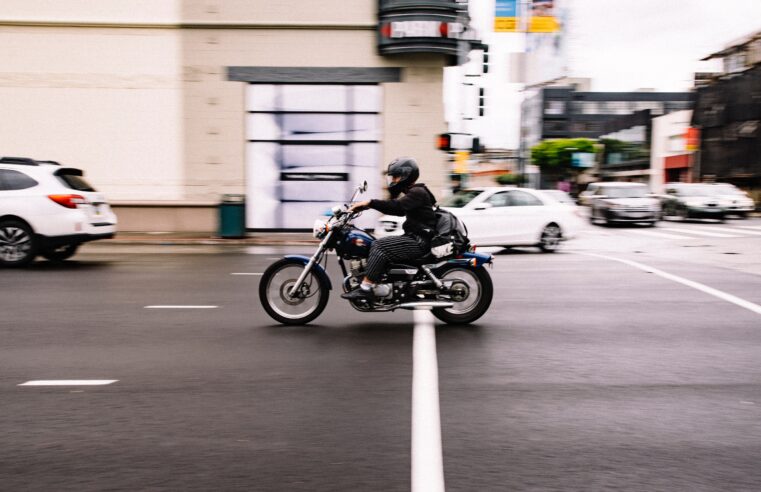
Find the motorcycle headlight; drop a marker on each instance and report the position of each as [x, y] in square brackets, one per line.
[319, 228]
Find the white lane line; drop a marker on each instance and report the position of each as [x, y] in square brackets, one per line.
[736, 231]
[689, 283]
[697, 233]
[246, 273]
[660, 234]
[170, 306]
[757, 228]
[427, 460]
[69, 382]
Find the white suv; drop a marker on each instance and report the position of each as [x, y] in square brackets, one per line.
[48, 210]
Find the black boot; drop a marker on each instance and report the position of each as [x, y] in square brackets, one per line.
[359, 293]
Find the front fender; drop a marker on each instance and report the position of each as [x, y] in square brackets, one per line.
[319, 271]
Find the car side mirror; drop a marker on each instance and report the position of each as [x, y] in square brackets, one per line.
[482, 206]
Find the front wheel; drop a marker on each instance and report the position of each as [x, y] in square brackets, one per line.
[305, 305]
[471, 292]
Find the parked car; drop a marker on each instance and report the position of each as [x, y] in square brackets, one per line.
[624, 202]
[505, 216]
[734, 200]
[48, 210]
[691, 200]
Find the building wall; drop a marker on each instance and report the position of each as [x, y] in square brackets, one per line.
[135, 92]
[91, 98]
[667, 131]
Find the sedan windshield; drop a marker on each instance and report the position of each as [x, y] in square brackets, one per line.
[627, 192]
[460, 199]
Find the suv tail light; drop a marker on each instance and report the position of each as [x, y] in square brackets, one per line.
[68, 201]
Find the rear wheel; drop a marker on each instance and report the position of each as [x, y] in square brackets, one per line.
[61, 253]
[471, 292]
[17, 244]
[305, 305]
[549, 240]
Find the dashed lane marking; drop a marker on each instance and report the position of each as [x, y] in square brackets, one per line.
[736, 231]
[170, 306]
[665, 235]
[427, 461]
[689, 283]
[69, 382]
[696, 232]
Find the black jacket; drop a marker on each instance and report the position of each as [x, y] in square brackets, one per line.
[417, 205]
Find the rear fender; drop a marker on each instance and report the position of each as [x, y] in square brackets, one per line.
[317, 268]
[472, 259]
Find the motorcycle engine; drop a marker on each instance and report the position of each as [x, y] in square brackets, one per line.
[356, 274]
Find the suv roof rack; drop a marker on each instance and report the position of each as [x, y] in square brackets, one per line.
[25, 161]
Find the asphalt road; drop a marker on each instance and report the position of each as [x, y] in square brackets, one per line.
[586, 374]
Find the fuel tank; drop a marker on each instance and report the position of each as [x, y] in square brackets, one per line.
[355, 243]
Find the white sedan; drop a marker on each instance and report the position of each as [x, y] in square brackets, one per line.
[505, 216]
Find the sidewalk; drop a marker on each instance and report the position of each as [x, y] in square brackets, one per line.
[205, 238]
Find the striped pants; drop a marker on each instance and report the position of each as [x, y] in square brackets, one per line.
[392, 249]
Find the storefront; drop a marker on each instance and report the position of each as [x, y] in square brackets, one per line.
[180, 102]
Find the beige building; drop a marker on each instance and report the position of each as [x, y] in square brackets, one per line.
[169, 104]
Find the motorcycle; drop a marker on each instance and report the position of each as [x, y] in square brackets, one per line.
[295, 289]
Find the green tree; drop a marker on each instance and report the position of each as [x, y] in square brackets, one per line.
[511, 179]
[555, 154]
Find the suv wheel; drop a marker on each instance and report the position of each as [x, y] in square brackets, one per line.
[60, 253]
[17, 244]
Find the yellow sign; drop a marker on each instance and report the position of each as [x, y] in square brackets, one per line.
[543, 24]
[542, 17]
[461, 158]
[505, 24]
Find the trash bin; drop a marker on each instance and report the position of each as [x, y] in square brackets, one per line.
[232, 216]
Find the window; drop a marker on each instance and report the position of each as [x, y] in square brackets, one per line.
[554, 107]
[74, 181]
[15, 180]
[523, 199]
[308, 146]
[499, 199]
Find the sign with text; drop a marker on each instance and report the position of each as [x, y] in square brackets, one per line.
[543, 16]
[506, 16]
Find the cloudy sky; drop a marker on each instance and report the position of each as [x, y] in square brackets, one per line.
[621, 45]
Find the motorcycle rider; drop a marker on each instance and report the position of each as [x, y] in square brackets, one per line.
[416, 204]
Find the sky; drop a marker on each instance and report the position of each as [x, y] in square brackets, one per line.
[621, 45]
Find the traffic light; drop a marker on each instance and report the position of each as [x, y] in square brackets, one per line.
[486, 59]
[481, 101]
[444, 141]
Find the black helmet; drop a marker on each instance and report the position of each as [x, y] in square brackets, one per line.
[407, 169]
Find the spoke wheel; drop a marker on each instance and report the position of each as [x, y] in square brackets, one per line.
[549, 241]
[17, 244]
[471, 292]
[306, 304]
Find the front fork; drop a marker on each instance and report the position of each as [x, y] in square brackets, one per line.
[316, 257]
